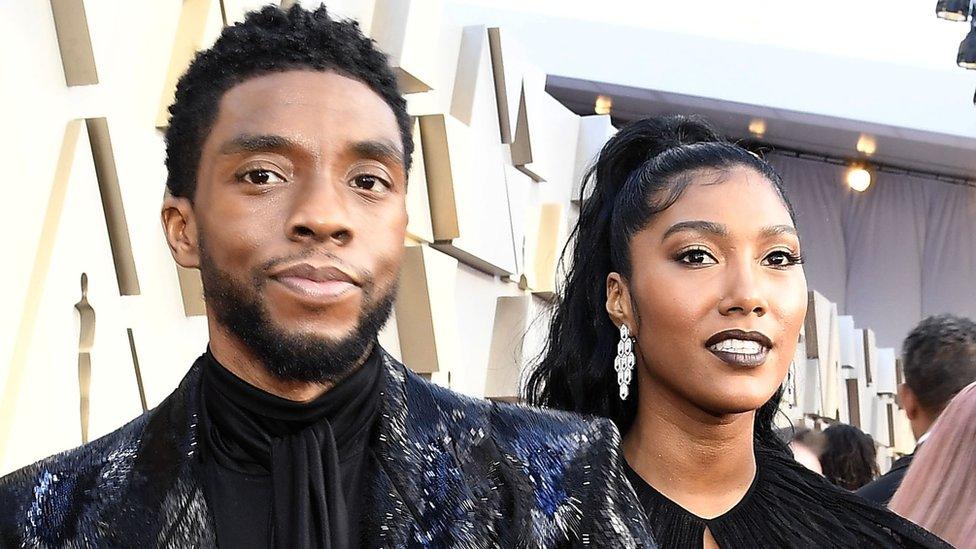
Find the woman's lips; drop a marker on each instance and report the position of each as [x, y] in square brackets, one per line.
[740, 348]
[742, 360]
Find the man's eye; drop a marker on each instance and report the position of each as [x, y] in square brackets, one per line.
[696, 257]
[260, 177]
[369, 182]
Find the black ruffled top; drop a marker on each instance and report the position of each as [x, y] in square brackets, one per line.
[787, 505]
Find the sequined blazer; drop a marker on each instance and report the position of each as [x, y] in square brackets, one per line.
[446, 471]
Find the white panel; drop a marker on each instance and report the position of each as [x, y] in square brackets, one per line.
[518, 333]
[406, 30]
[887, 383]
[595, 130]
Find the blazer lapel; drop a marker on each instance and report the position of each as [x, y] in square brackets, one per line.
[163, 503]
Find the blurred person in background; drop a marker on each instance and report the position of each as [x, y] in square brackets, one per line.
[939, 490]
[807, 446]
[939, 359]
[849, 459]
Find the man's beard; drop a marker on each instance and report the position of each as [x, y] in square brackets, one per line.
[287, 355]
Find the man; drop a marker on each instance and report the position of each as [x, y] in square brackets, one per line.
[288, 151]
[939, 359]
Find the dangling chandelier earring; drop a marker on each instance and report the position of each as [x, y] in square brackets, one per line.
[624, 363]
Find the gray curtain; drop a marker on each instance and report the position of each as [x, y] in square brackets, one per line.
[890, 256]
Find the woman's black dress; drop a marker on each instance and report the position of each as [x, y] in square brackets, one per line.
[786, 506]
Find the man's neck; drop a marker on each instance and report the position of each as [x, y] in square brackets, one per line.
[238, 359]
[703, 462]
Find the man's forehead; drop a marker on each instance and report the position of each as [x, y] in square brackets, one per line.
[304, 106]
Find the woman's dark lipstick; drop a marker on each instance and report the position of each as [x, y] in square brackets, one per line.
[739, 348]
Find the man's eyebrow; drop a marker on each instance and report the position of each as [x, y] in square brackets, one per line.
[379, 150]
[700, 226]
[258, 143]
[776, 230]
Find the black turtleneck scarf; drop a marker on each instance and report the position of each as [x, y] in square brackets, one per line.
[279, 473]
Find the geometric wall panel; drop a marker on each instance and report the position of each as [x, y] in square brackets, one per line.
[595, 130]
[517, 334]
[200, 20]
[466, 186]
[507, 71]
[191, 289]
[108, 186]
[544, 240]
[426, 314]
[419, 227]
[74, 41]
[403, 30]
[39, 274]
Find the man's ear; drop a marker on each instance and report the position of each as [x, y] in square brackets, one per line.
[908, 401]
[619, 303]
[180, 227]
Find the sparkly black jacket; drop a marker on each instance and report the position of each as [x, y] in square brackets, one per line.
[446, 471]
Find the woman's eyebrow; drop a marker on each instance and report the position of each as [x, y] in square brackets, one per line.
[716, 229]
[776, 230]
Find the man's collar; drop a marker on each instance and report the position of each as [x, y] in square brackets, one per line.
[923, 438]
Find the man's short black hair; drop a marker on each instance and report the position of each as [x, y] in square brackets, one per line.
[940, 359]
[267, 41]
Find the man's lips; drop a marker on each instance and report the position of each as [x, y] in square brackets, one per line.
[316, 282]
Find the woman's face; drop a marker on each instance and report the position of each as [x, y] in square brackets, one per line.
[716, 294]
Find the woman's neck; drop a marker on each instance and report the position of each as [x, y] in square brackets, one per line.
[703, 462]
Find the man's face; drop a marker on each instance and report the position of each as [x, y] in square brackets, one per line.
[300, 217]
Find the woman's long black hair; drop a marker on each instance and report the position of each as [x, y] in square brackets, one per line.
[640, 172]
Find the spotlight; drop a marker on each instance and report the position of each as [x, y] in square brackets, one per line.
[967, 50]
[859, 177]
[757, 127]
[952, 10]
[603, 105]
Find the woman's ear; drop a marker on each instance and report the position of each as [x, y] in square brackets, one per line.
[619, 304]
[180, 227]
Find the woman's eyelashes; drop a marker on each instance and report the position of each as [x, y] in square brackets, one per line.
[783, 258]
[696, 257]
[701, 257]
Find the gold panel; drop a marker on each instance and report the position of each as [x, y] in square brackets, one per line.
[191, 287]
[190, 33]
[108, 188]
[426, 313]
[74, 41]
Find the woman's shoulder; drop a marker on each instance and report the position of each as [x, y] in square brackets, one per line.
[831, 513]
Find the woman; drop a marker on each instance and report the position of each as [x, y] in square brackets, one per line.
[939, 490]
[849, 459]
[678, 321]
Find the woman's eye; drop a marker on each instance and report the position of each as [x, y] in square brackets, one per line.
[697, 257]
[260, 177]
[369, 182]
[782, 259]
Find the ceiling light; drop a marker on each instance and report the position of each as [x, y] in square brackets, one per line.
[953, 10]
[757, 127]
[603, 105]
[859, 177]
[967, 50]
[866, 144]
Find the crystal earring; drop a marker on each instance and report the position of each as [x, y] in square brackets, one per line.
[624, 363]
